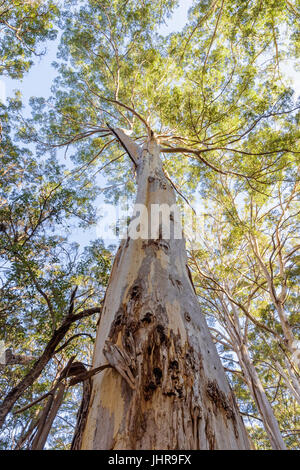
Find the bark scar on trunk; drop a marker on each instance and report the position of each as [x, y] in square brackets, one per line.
[220, 401]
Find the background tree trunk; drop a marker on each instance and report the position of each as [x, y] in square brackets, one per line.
[239, 340]
[167, 388]
[258, 394]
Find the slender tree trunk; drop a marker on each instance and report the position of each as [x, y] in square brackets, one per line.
[16, 392]
[167, 388]
[290, 379]
[51, 410]
[258, 394]
[278, 300]
[251, 376]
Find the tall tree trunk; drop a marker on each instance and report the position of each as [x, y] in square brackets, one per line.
[167, 388]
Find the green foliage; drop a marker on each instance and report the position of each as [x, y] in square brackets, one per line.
[24, 24]
[41, 203]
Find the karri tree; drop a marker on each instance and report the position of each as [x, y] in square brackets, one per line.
[170, 114]
[166, 388]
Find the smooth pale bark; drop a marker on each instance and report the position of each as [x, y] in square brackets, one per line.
[167, 388]
[239, 345]
[289, 378]
[263, 405]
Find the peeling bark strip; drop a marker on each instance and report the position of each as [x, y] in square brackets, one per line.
[167, 388]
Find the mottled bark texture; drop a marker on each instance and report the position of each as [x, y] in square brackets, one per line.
[167, 388]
